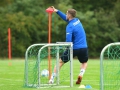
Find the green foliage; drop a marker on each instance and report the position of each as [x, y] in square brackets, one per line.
[29, 23]
[26, 27]
[85, 5]
[117, 11]
[101, 28]
[5, 2]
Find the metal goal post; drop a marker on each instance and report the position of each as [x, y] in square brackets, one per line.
[110, 67]
[45, 56]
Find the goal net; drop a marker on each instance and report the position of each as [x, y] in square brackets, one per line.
[40, 57]
[110, 67]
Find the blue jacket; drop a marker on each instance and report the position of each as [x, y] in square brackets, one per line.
[74, 32]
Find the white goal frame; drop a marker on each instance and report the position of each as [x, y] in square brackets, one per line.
[101, 63]
[57, 45]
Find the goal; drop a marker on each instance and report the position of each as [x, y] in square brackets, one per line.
[110, 67]
[39, 57]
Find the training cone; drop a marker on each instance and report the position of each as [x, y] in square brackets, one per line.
[82, 86]
[88, 86]
[49, 10]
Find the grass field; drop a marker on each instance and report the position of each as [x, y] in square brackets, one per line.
[12, 76]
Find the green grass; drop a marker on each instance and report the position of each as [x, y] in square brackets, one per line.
[12, 76]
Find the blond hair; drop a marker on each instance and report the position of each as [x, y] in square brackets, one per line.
[72, 12]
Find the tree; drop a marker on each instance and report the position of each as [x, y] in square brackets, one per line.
[117, 11]
[29, 23]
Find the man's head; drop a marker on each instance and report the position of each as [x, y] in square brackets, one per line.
[71, 13]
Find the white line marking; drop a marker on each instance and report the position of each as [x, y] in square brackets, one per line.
[9, 84]
[10, 79]
[2, 84]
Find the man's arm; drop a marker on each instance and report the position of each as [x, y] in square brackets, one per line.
[61, 14]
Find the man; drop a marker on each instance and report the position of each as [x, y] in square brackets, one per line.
[74, 33]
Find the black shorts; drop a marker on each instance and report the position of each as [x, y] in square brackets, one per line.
[82, 55]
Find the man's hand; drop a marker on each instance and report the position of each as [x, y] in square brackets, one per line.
[55, 10]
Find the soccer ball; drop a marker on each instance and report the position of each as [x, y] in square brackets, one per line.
[45, 73]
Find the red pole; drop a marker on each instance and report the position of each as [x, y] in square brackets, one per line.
[49, 27]
[9, 45]
[49, 41]
[49, 10]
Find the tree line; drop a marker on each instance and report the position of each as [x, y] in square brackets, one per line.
[29, 23]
